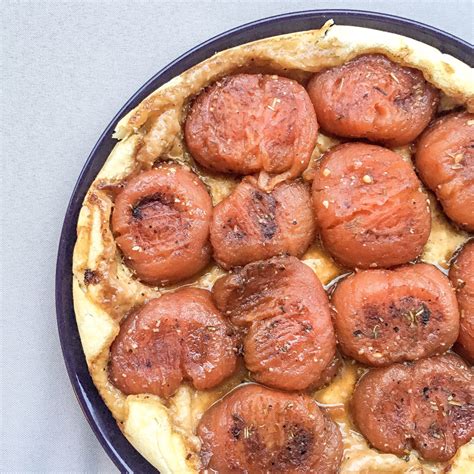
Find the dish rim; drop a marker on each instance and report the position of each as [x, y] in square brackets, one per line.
[121, 452]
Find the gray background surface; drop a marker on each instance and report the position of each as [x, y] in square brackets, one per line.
[67, 67]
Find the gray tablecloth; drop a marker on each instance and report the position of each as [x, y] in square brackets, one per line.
[67, 67]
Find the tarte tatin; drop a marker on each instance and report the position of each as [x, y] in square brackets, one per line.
[261, 268]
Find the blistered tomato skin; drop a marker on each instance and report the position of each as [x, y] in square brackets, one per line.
[369, 206]
[445, 162]
[178, 337]
[372, 97]
[257, 430]
[461, 275]
[283, 311]
[161, 224]
[248, 123]
[252, 224]
[427, 406]
[387, 316]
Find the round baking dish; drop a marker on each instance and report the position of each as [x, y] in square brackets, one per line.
[126, 458]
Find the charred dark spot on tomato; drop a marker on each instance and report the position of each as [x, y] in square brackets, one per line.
[358, 333]
[239, 234]
[435, 431]
[372, 314]
[237, 426]
[425, 315]
[136, 213]
[254, 446]
[91, 277]
[462, 415]
[298, 446]
[426, 392]
[265, 213]
[151, 201]
[269, 229]
[397, 309]
[403, 101]
[235, 431]
[238, 349]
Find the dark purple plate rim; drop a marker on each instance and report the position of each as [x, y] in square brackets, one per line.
[122, 453]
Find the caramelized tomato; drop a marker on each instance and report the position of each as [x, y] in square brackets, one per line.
[428, 406]
[161, 223]
[462, 278]
[445, 161]
[283, 311]
[252, 122]
[252, 224]
[387, 316]
[179, 336]
[370, 207]
[375, 98]
[257, 430]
